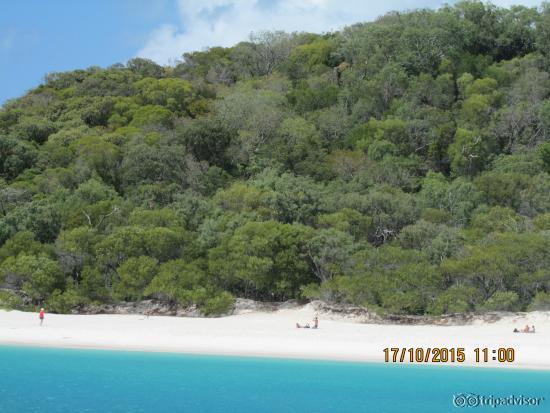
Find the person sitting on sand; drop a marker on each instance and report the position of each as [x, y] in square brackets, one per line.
[301, 326]
[516, 330]
[532, 329]
[526, 329]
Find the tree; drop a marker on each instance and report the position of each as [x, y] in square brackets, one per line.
[400, 281]
[93, 285]
[178, 281]
[469, 152]
[174, 94]
[15, 157]
[310, 57]
[298, 146]
[23, 242]
[502, 189]
[330, 252]
[133, 276]
[543, 32]
[256, 114]
[126, 242]
[208, 140]
[145, 67]
[100, 156]
[146, 164]
[39, 275]
[263, 260]
[41, 217]
[152, 115]
[265, 52]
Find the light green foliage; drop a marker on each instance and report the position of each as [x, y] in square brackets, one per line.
[266, 259]
[498, 219]
[347, 220]
[187, 284]
[145, 67]
[64, 302]
[503, 188]
[177, 280]
[23, 242]
[35, 129]
[299, 147]
[255, 113]
[146, 164]
[542, 221]
[151, 115]
[175, 94]
[457, 299]
[133, 241]
[41, 217]
[98, 155]
[133, 276]
[154, 218]
[10, 300]
[310, 57]
[469, 152]
[330, 253]
[209, 141]
[399, 281]
[544, 153]
[418, 236]
[317, 93]
[502, 263]
[93, 285]
[16, 156]
[98, 112]
[541, 302]
[502, 301]
[39, 275]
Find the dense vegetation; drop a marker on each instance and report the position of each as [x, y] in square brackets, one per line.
[401, 164]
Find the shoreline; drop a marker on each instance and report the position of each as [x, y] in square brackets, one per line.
[247, 355]
[274, 335]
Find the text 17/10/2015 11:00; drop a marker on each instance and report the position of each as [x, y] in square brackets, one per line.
[447, 355]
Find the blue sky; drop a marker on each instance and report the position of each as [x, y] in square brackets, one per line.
[42, 36]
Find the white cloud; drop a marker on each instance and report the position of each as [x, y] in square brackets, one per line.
[206, 23]
[508, 3]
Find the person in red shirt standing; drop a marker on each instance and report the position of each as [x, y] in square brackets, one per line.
[41, 316]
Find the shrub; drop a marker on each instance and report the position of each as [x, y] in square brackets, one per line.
[218, 305]
[63, 302]
[10, 301]
[501, 301]
[541, 302]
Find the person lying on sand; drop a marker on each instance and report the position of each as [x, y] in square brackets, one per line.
[526, 329]
[301, 326]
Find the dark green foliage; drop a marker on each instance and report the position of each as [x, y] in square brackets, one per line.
[401, 164]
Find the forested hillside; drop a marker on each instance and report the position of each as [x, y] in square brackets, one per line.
[401, 164]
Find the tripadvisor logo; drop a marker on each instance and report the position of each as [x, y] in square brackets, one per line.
[475, 400]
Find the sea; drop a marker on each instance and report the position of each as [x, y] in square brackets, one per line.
[47, 380]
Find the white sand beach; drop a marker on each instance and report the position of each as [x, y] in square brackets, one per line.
[274, 334]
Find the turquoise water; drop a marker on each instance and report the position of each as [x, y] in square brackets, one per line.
[67, 381]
